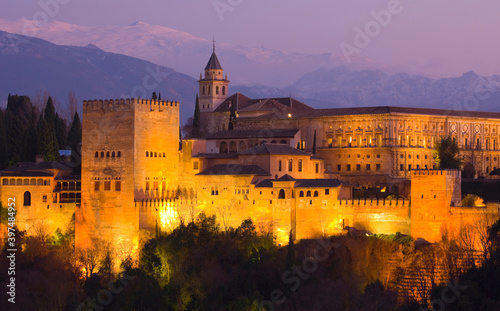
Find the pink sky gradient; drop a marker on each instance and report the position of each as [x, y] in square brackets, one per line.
[437, 38]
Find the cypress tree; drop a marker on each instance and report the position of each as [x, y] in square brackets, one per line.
[154, 97]
[232, 116]
[196, 131]
[4, 156]
[61, 131]
[75, 134]
[159, 95]
[48, 145]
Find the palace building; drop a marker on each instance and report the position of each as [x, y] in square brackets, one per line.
[287, 166]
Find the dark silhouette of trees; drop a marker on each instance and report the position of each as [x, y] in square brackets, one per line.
[447, 154]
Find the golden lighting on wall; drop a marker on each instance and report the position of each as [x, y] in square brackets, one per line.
[168, 216]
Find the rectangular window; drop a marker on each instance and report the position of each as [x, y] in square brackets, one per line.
[300, 165]
[118, 185]
[5, 181]
[339, 141]
[339, 167]
[96, 186]
[368, 167]
[369, 140]
[147, 185]
[155, 185]
[330, 142]
[279, 165]
[409, 167]
[195, 165]
[401, 167]
[317, 168]
[358, 167]
[163, 185]
[107, 185]
[377, 167]
[348, 167]
[327, 191]
[379, 140]
[44, 199]
[290, 165]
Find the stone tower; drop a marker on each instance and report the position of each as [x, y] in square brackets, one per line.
[213, 87]
[130, 155]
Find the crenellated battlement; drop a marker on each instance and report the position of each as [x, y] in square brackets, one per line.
[452, 173]
[113, 104]
[375, 203]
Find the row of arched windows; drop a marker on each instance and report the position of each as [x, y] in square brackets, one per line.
[108, 154]
[216, 90]
[25, 182]
[151, 154]
[281, 194]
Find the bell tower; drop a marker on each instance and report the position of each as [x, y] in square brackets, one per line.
[213, 87]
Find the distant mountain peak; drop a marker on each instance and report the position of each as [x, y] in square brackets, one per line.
[138, 23]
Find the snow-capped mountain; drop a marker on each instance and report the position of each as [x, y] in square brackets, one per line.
[30, 65]
[184, 52]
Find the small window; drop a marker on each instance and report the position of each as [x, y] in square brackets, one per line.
[27, 198]
[96, 186]
[377, 167]
[348, 167]
[113, 154]
[368, 167]
[5, 182]
[358, 167]
[327, 191]
[301, 194]
[339, 167]
[107, 185]
[223, 90]
[308, 194]
[317, 168]
[281, 194]
[44, 199]
[195, 165]
[300, 165]
[147, 154]
[96, 154]
[107, 154]
[316, 193]
[147, 185]
[401, 167]
[164, 154]
[290, 165]
[102, 154]
[279, 165]
[118, 185]
[119, 154]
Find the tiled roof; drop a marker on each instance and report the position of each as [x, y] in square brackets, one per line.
[26, 174]
[305, 183]
[235, 169]
[213, 62]
[286, 177]
[276, 149]
[216, 155]
[33, 166]
[399, 110]
[268, 133]
[280, 105]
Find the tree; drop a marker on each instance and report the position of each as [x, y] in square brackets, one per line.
[154, 97]
[48, 145]
[232, 116]
[196, 131]
[75, 133]
[447, 154]
[159, 95]
[314, 142]
[61, 131]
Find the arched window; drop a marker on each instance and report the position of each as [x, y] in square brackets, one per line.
[217, 90]
[223, 147]
[102, 154]
[315, 193]
[203, 90]
[156, 155]
[308, 193]
[113, 154]
[147, 154]
[273, 141]
[242, 146]
[301, 194]
[281, 194]
[119, 154]
[283, 141]
[164, 154]
[209, 90]
[96, 154]
[232, 147]
[27, 198]
[223, 90]
[107, 154]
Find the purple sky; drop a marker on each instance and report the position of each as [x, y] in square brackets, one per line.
[439, 38]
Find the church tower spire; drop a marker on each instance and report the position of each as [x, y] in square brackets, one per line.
[213, 87]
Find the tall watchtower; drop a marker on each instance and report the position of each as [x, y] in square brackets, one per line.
[213, 87]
